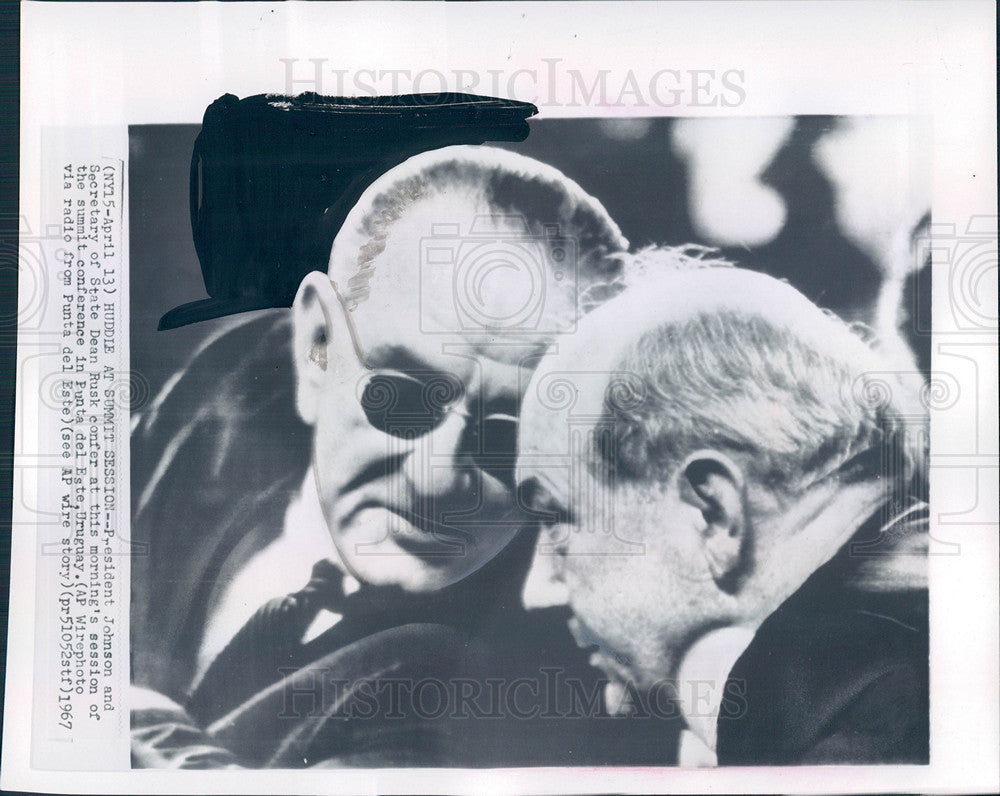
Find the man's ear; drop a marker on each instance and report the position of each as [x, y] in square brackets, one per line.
[714, 484]
[321, 340]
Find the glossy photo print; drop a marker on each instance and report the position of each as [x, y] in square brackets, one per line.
[520, 398]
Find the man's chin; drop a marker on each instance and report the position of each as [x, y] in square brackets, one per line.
[602, 656]
[617, 697]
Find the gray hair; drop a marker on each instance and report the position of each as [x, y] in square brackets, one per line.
[794, 407]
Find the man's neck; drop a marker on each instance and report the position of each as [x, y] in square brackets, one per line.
[702, 677]
[305, 527]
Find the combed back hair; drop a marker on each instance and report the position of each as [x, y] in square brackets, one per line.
[504, 182]
[651, 260]
[793, 407]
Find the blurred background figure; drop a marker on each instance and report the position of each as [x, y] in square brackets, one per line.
[881, 186]
[729, 204]
[883, 190]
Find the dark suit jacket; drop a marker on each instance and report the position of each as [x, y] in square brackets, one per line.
[459, 677]
[838, 674]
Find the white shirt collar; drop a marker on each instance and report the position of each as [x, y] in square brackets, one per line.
[702, 677]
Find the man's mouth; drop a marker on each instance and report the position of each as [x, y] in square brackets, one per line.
[617, 698]
[585, 638]
[601, 656]
[410, 530]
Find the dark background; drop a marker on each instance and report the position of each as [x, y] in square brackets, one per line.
[641, 181]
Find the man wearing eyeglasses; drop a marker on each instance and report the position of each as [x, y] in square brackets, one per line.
[382, 623]
[766, 468]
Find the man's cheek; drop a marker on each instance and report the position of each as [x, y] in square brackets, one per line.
[586, 597]
[346, 419]
[585, 573]
[356, 446]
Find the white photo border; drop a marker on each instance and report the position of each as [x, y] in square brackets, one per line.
[115, 64]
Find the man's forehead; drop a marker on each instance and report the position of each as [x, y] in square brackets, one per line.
[562, 407]
[435, 287]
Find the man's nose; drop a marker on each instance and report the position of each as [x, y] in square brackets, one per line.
[436, 464]
[545, 587]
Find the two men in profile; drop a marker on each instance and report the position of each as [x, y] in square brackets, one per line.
[377, 544]
[732, 473]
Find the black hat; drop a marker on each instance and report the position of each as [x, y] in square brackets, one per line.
[273, 178]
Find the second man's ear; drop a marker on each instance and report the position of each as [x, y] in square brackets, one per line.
[714, 484]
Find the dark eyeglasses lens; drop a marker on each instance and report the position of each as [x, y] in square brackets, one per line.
[396, 405]
[439, 393]
[498, 448]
